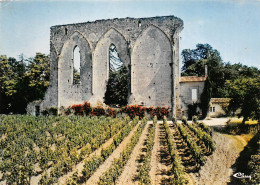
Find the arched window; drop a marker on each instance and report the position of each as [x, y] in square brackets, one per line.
[117, 86]
[115, 63]
[139, 23]
[76, 65]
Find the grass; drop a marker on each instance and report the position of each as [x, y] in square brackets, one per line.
[235, 126]
[239, 141]
[239, 121]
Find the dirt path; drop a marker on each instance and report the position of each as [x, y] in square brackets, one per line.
[217, 169]
[216, 122]
[129, 173]
[116, 154]
[160, 159]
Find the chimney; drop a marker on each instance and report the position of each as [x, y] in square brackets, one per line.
[206, 70]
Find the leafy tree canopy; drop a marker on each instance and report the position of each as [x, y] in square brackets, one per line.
[245, 94]
[117, 86]
[236, 81]
[22, 81]
[194, 61]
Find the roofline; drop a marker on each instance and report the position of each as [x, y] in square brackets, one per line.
[200, 77]
[131, 18]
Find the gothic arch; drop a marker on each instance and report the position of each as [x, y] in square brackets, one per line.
[151, 75]
[101, 59]
[52, 45]
[91, 48]
[65, 66]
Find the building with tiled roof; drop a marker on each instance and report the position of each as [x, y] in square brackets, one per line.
[218, 106]
[191, 88]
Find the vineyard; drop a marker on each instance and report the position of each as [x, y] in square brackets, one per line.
[100, 150]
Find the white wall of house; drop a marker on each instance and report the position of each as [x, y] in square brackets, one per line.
[190, 94]
[215, 110]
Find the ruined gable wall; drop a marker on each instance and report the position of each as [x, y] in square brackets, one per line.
[95, 39]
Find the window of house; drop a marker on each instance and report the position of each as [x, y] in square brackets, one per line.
[212, 109]
[194, 94]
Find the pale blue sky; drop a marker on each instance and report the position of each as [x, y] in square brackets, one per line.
[232, 27]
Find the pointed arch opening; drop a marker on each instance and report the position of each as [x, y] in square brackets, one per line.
[76, 65]
[116, 94]
[151, 70]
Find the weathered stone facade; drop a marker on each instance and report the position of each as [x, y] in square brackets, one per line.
[191, 89]
[148, 47]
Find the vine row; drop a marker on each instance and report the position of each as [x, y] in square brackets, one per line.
[91, 164]
[116, 169]
[204, 137]
[30, 146]
[194, 148]
[143, 175]
[177, 168]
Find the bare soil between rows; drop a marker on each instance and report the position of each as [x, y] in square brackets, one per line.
[108, 162]
[160, 160]
[129, 174]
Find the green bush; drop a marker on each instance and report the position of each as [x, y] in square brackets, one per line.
[184, 120]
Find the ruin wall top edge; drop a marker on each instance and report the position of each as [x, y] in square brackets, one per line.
[130, 19]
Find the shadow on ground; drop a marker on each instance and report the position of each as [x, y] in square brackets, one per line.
[241, 164]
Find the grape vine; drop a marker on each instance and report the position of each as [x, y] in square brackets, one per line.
[177, 168]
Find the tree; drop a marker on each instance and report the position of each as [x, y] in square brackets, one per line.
[245, 94]
[205, 98]
[76, 76]
[22, 81]
[38, 74]
[194, 62]
[117, 87]
[8, 82]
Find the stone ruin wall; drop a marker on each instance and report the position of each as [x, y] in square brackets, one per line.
[148, 47]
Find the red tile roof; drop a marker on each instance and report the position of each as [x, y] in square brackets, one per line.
[220, 100]
[193, 78]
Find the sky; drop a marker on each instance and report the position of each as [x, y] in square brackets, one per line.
[230, 26]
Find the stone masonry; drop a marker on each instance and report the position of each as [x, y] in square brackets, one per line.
[148, 47]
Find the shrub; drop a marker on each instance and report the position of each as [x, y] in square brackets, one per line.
[87, 108]
[111, 112]
[45, 112]
[78, 109]
[98, 111]
[192, 110]
[150, 110]
[50, 111]
[236, 127]
[53, 111]
[133, 111]
[68, 111]
[195, 119]
[160, 112]
[184, 120]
